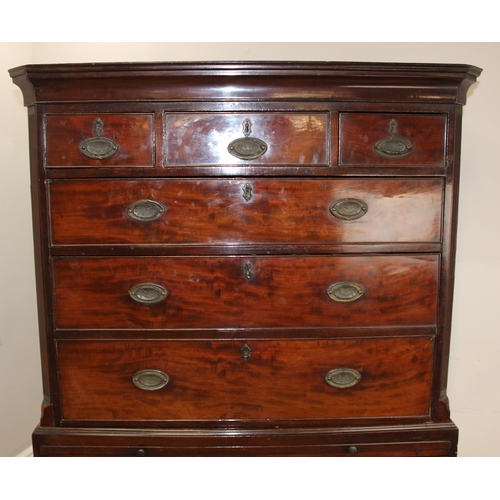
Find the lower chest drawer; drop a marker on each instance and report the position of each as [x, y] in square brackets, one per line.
[420, 449]
[245, 292]
[252, 379]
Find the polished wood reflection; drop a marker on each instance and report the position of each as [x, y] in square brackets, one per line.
[203, 139]
[214, 292]
[134, 134]
[282, 379]
[220, 212]
[360, 132]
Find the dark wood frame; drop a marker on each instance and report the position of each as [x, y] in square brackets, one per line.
[245, 87]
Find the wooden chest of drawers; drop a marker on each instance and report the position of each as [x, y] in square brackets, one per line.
[245, 258]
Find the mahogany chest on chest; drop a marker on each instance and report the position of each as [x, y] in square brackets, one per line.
[245, 258]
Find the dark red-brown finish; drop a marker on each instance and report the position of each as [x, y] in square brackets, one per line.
[216, 293]
[359, 133]
[133, 133]
[216, 212]
[423, 440]
[250, 80]
[210, 380]
[246, 250]
[203, 139]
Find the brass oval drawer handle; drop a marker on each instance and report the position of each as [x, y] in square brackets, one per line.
[99, 148]
[349, 209]
[145, 210]
[148, 293]
[342, 378]
[345, 291]
[393, 147]
[150, 380]
[247, 148]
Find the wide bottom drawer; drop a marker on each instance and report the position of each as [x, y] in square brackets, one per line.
[429, 439]
[425, 449]
[253, 379]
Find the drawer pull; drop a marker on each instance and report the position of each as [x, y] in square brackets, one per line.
[346, 291]
[247, 148]
[145, 210]
[150, 380]
[99, 148]
[342, 378]
[393, 146]
[353, 450]
[148, 293]
[349, 209]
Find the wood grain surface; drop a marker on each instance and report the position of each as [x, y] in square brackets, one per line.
[213, 292]
[281, 379]
[216, 211]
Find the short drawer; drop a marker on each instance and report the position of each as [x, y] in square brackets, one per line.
[251, 211]
[252, 379]
[99, 140]
[200, 139]
[238, 292]
[384, 139]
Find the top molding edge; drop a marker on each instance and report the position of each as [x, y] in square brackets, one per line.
[455, 78]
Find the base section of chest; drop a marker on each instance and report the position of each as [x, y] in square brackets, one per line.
[410, 440]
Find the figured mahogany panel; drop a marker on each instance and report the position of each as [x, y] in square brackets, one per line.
[132, 135]
[239, 292]
[421, 139]
[212, 380]
[234, 211]
[288, 138]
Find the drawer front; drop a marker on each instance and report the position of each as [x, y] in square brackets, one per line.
[220, 212]
[250, 139]
[99, 140]
[392, 139]
[254, 292]
[409, 449]
[108, 380]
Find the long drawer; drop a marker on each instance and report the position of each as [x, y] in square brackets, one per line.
[405, 449]
[383, 440]
[255, 379]
[245, 292]
[226, 211]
